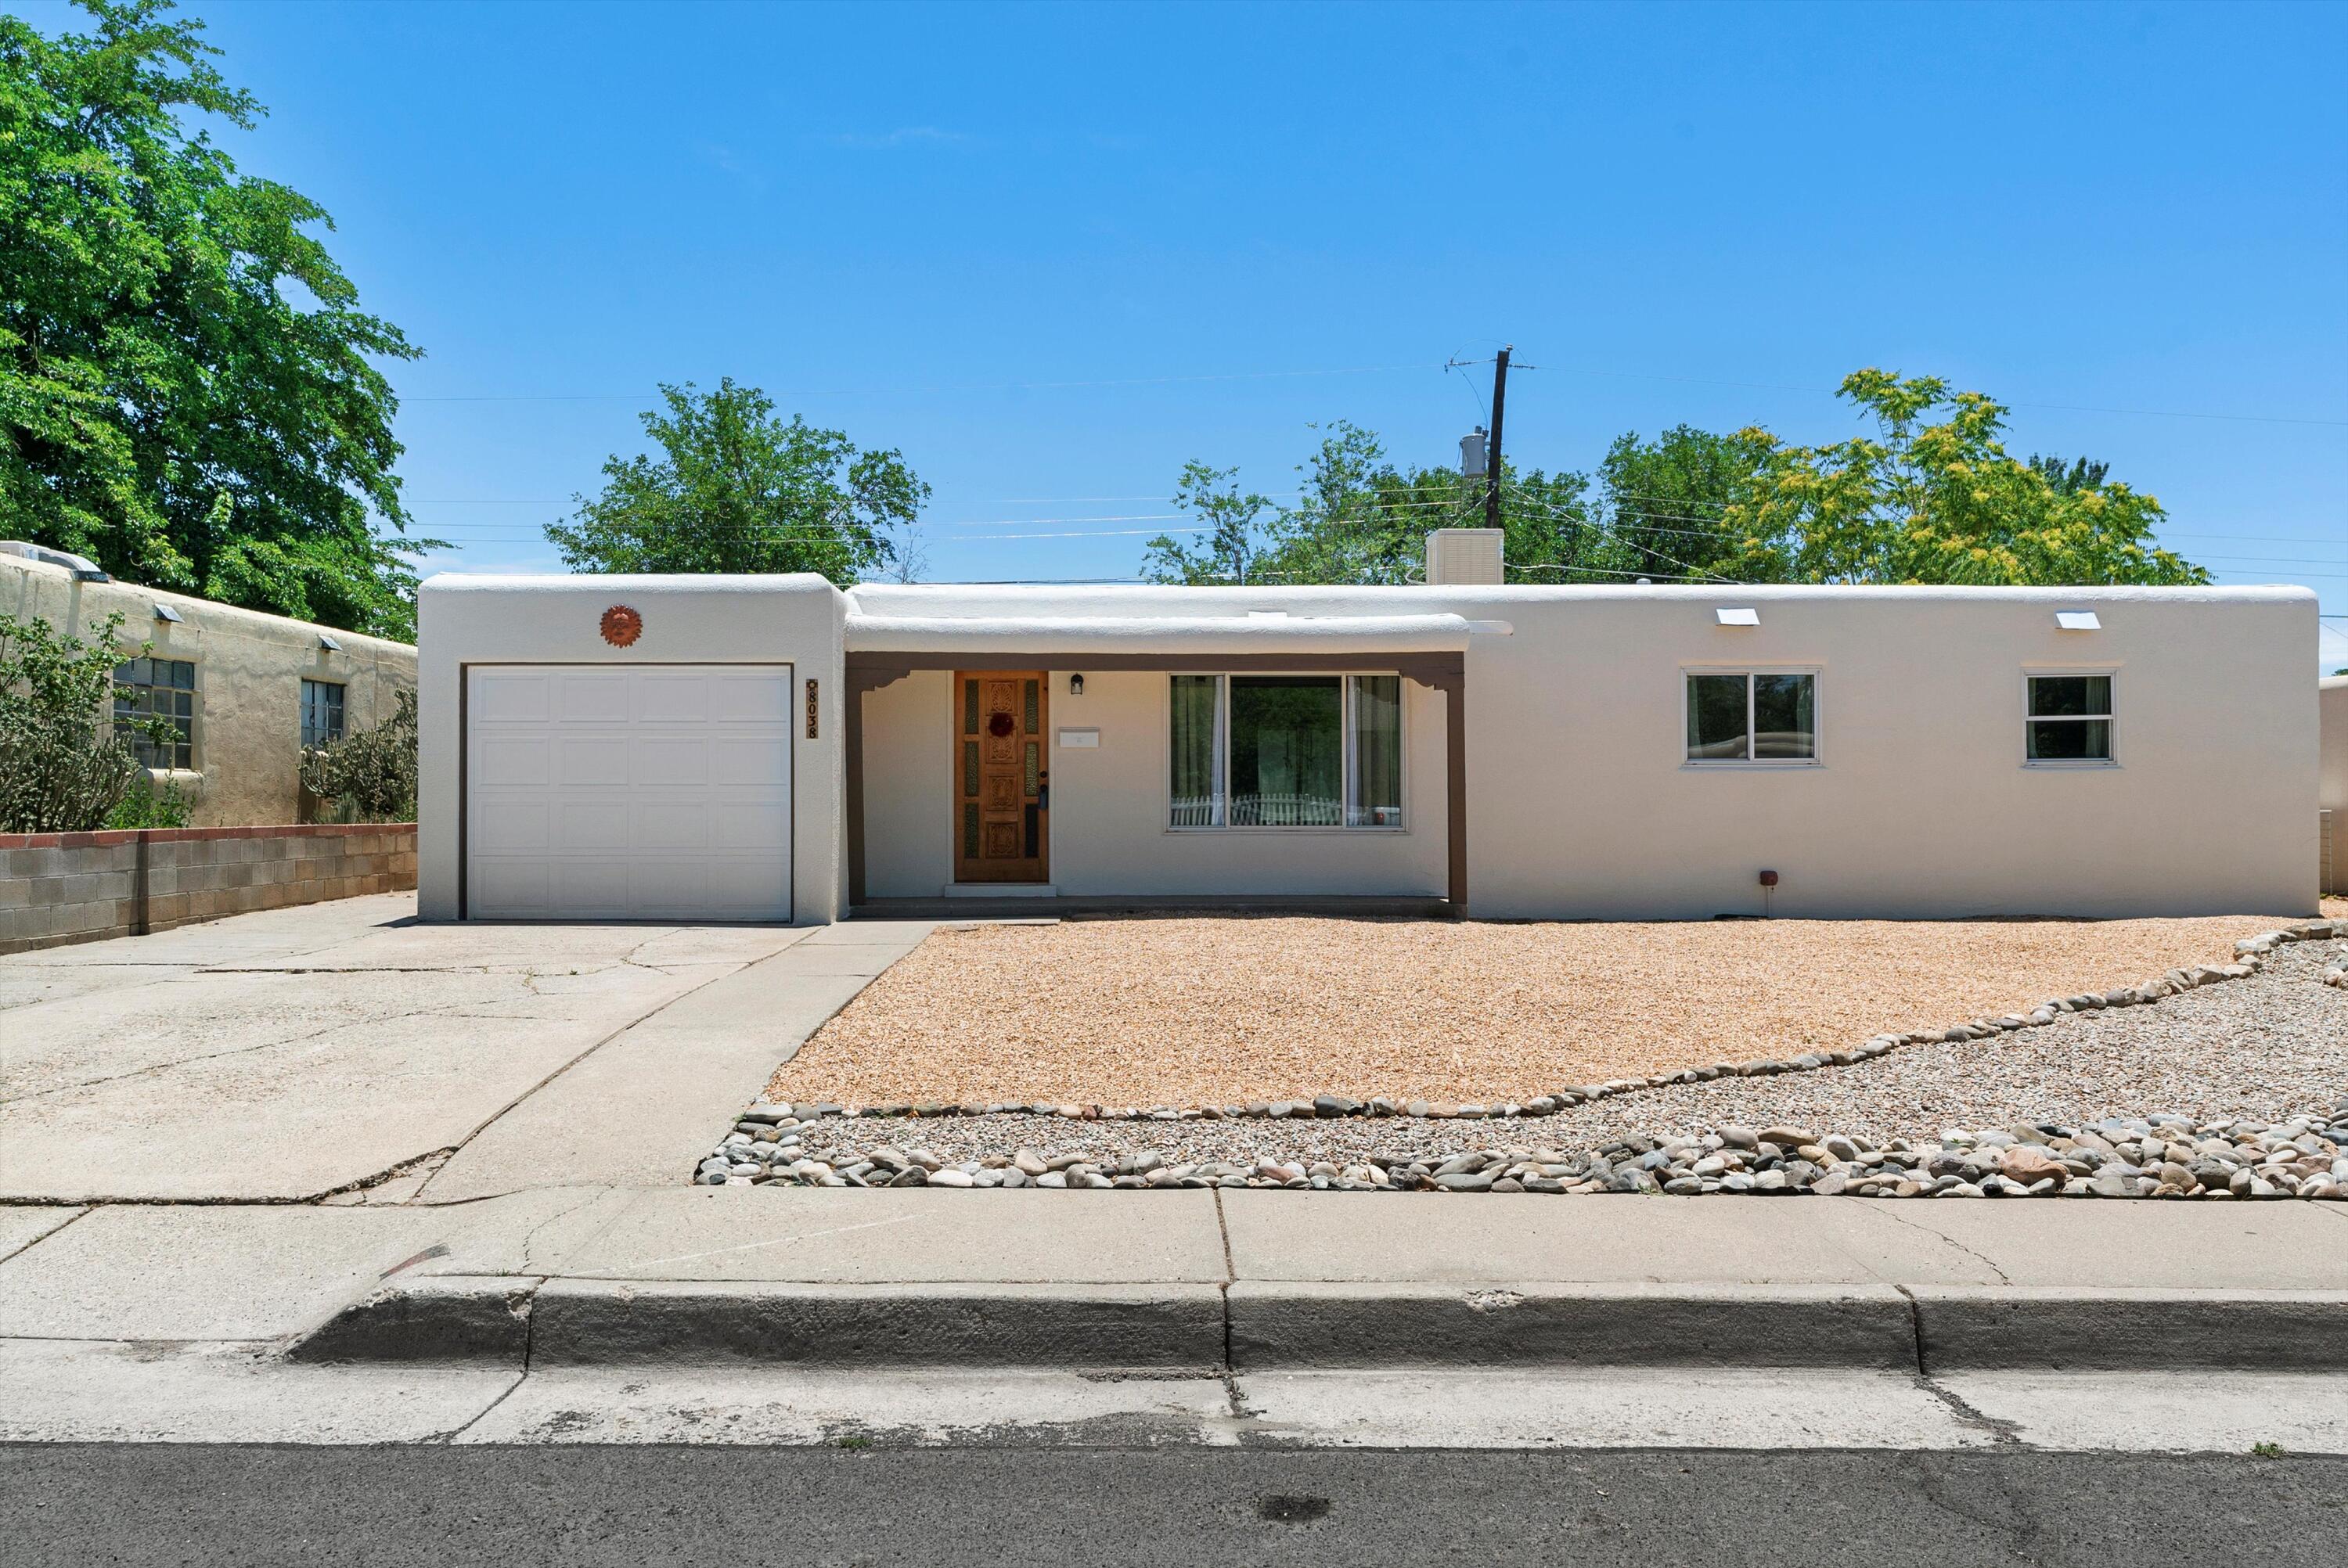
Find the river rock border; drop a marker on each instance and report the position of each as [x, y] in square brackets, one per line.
[2293, 1160]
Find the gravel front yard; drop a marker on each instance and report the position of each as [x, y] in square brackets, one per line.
[1190, 1012]
[2212, 1085]
[2261, 1050]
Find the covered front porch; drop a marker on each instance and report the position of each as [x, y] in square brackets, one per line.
[1079, 765]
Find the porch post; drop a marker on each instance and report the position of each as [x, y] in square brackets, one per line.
[860, 679]
[1455, 722]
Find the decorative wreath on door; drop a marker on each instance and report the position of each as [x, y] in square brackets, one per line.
[999, 725]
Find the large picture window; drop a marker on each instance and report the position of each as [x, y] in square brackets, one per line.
[155, 711]
[1753, 716]
[1285, 751]
[2069, 720]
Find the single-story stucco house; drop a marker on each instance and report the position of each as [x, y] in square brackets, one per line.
[243, 691]
[771, 748]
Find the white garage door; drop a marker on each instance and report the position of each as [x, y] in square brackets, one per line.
[600, 793]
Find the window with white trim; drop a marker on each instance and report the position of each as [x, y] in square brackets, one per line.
[1739, 716]
[2068, 719]
[1285, 751]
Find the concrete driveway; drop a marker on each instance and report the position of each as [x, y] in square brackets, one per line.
[348, 1049]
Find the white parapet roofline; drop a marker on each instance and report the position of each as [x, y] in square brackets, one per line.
[1082, 634]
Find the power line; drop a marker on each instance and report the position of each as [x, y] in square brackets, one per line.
[750, 532]
[910, 391]
[2058, 408]
[1359, 370]
[1611, 571]
[1554, 514]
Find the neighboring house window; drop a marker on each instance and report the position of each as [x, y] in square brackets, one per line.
[321, 712]
[2069, 719]
[1286, 750]
[1753, 716]
[165, 689]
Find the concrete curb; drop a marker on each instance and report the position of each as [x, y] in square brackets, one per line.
[1964, 1327]
[1261, 1326]
[1278, 1327]
[435, 1317]
[583, 1323]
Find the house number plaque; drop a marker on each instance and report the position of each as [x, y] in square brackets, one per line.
[810, 689]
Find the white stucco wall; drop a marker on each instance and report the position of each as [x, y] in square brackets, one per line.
[250, 667]
[1580, 805]
[1109, 833]
[908, 786]
[2332, 791]
[466, 620]
[2332, 694]
[1580, 802]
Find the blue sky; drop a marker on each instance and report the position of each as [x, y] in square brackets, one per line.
[1052, 253]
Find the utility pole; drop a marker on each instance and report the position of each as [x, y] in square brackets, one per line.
[1492, 462]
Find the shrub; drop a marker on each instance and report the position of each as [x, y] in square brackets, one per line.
[146, 806]
[63, 765]
[368, 775]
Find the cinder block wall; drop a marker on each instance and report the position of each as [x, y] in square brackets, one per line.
[57, 887]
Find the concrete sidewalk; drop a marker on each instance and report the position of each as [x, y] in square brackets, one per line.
[1197, 1281]
[761, 1315]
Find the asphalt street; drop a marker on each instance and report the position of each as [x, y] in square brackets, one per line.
[834, 1507]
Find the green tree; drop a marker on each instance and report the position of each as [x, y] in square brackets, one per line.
[1937, 503]
[1359, 518]
[2070, 479]
[189, 392]
[1233, 523]
[737, 489]
[1666, 500]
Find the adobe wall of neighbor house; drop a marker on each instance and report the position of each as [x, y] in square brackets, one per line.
[1580, 804]
[249, 672]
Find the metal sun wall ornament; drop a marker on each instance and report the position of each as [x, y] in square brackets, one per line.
[622, 625]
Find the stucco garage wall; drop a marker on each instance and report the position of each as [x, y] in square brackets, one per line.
[249, 672]
[714, 619]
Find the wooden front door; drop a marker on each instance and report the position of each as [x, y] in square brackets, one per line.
[1002, 792]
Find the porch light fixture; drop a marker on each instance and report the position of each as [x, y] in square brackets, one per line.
[1739, 617]
[164, 612]
[2077, 621]
[1076, 685]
